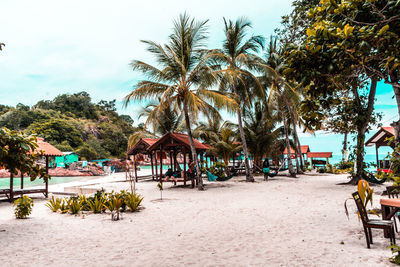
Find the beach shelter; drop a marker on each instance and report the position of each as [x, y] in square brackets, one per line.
[304, 150]
[47, 151]
[379, 139]
[172, 144]
[317, 158]
[140, 149]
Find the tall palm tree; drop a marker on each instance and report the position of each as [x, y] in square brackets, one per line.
[182, 78]
[263, 132]
[283, 97]
[221, 136]
[236, 55]
[162, 122]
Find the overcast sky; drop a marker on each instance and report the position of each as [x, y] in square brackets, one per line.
[55, 47]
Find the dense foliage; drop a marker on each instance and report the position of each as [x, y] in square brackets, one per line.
[72, 122]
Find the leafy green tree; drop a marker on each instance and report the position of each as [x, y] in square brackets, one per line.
[56, 131]
[87, 152]
[182, 78]
[127, 119]
[16, 154]
[78, 104]
[338, 55]
[238, 59]
[113, 140]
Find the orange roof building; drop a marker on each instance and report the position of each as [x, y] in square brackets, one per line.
[380, 138]
[304, 150]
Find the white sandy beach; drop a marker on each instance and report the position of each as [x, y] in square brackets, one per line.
[282, 222]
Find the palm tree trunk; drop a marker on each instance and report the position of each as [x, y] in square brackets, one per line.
[192, 147]
[249, 174]
[298, 148]
[285, 126]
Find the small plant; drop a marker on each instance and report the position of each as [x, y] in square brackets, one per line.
[133, 201]
[395, 250]
[84, 203]
[23, 207]
[160, 186]
[64, 206]
[74, 205]
[114, 205]
[54, 204]
[97, 204]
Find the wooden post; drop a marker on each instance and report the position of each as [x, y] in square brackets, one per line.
[171, 160]
[11, 187]
[377, 157]
[22, 180]
[47, 179]
[155, 165]
[151, 161]
[201, 160]
[134, 166]
[174, 159]
[161, 170]
[184, 166]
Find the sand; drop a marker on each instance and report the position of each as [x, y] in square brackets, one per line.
[282, 222]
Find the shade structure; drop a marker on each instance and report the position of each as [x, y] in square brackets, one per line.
[304, 150]
[45, 149]
[380, 138]
[313, 155]
[141, 146]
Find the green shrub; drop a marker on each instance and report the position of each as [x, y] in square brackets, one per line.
[74, 205]
[23, 207]
[64, 206]
[54, 204]
[97, 204]
[395, 250]
[133, 201]
[84, 203]
[343, 165]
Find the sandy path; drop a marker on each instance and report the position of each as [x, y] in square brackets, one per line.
[282, 222]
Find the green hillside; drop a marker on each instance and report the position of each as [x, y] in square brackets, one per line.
[71, 122]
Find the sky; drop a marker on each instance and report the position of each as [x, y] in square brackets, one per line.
[57, 47]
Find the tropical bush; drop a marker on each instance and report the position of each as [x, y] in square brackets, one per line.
[133, 201]
[395, 250]
[218, 169]
[97, 204]
[54, 204]
[64, 206]
[23, 207]
[74, 205]
[100, 202]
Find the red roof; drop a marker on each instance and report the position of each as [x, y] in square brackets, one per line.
[379, 138]
[389, 130]
[180, 138]
[304, 149]
[47, 149]
[319, 154]
[142, 145]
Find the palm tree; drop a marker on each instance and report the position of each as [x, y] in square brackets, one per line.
[182, 78]
[162, 122]
[221, 136]
[283, 97]
[262, 132]
[236, 55]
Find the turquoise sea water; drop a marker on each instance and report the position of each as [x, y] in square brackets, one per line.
[5, 182]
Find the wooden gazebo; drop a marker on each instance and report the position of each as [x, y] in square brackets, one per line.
[379, 139]
[304, 150]
[47, 150]
[141, 148]
[316, 158]
[172, 144]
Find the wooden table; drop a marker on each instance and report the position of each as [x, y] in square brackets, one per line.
[389, 208]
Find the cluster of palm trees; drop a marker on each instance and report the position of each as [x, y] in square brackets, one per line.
[192, 84]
